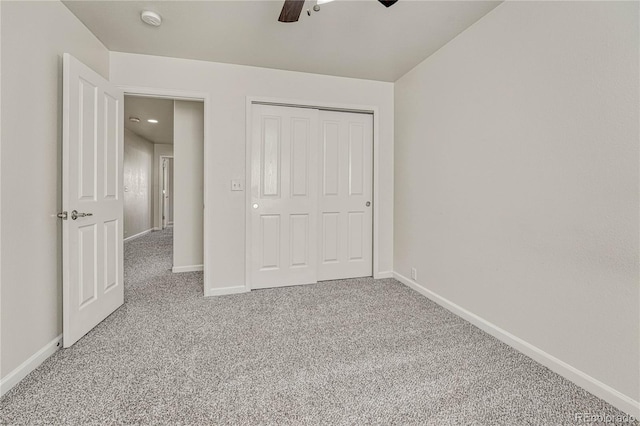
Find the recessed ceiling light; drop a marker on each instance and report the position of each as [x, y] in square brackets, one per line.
[152, 120]
[151, 18]
[134, 119]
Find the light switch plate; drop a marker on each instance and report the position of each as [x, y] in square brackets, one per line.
[237, 185]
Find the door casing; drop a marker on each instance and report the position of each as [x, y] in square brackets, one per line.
[207, 223]
[250, 100]
[160, 193]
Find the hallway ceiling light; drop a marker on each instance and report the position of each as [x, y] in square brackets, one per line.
[152, 120]
[134, 119]
[151, 18]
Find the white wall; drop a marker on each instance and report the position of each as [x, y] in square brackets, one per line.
[137, 181]
[188, 143]
[228, 87]
[517, 179]
[34, 37]
[159, 150]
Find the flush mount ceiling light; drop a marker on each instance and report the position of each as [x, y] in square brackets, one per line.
[152, 120]
[151, 18]
[134, 119]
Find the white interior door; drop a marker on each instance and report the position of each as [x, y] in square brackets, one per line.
[92, 197]
[346, 218]
[284, 197]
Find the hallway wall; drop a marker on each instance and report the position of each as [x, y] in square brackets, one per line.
[159, 150]
[137, 181]
[188, 145]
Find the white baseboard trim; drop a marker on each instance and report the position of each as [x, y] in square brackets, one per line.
[580, 378]
[383, 275]
[188, 268]
[138, 235]
[34, 361]
[225, 290]
[156, 228]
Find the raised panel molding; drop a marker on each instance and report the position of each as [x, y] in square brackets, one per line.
[271, 139]
[356, 235]
[111, 142]
[299, 232]
[330, 159]
[88, 250]
[87, 140]
[111, 261]
[356, 159]
[299, 157]
[330, 230]
[270, 229]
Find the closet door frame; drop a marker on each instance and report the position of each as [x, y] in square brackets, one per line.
[250, 100]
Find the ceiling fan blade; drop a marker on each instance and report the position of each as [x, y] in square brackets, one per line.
[388, 3]
[291, 10]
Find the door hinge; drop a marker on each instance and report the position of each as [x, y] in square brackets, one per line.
[63, 215]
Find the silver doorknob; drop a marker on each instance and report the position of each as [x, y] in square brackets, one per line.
[75, 214]
[368, 203]
[255, 206]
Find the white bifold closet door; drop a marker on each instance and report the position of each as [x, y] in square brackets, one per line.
[345, 202]
[284, 196]
[311, 193]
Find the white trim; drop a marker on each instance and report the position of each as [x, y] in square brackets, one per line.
[208, 218]
[383, 275]
[580, 378]
[155, 228]
[376, 170]
[188, 268]
[160, 194]
[138, 235]
[34, 361]
[226, 290]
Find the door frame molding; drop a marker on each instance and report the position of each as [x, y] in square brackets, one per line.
[160, 194]
[205, 97]
[322, 105]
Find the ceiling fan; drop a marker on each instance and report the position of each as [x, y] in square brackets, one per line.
[292, 8]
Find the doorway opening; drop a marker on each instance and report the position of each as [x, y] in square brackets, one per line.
[163, 179]
[166, 191]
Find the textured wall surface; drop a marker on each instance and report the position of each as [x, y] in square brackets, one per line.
[138, 184]
[516, 192]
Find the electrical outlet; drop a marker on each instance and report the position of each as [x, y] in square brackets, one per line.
[414, 274]
[237, 185]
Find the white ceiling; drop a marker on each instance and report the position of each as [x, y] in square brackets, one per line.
[360, 39]
[146, 108]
